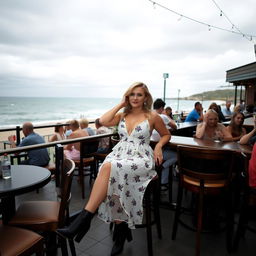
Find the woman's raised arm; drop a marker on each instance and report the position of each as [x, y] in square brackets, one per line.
[112, 117]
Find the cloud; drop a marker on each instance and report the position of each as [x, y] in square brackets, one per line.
[64, 48]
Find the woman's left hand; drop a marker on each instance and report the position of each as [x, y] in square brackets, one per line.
[158, 155]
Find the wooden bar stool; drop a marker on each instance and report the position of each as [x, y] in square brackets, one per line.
[19, 242]
[204, 172]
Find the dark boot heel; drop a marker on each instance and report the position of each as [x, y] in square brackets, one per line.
[114, 233]
[121, 234]
[80, 235]
[129, 235]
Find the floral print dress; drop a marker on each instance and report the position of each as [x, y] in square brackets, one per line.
[132, 168]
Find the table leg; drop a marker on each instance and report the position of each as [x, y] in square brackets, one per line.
[8, 208]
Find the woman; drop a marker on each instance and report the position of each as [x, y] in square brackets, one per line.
[168, 111]
[59, 134]
[210, 128]
[124, 175]
[217, 108]
[235, 128]
[249, 138]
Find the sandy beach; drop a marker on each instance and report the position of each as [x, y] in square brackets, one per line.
[46, 132]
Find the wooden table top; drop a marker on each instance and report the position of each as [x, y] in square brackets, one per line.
[24, 178]
[249, 122]
[194, 142]
[186, 125]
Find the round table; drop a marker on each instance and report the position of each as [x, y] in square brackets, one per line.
[25, 178]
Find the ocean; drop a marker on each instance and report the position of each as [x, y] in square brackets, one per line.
[41, 110]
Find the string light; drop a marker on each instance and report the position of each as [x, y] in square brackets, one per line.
[238, 32]
[180, 18]
[233, 26]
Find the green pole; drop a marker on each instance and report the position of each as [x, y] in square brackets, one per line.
[164, 88]
[165, 75]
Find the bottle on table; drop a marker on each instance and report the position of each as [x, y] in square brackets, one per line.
[6, 167]
[178, 120]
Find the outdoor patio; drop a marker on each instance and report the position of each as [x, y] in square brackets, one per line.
[98, 241]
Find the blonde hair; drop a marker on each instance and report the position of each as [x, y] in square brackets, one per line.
[237, 108]
[212, 111]
[148, 102]
[74, 124]
[84, 122]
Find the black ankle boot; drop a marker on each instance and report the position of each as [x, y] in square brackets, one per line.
[79, 227]
[121, 232]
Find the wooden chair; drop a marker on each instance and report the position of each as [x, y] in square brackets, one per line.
[19, 242]
[100, 157]
[204, 172]
[18, 157]
[47, 216]
[87, 149]
[248, 203]
[114, 140]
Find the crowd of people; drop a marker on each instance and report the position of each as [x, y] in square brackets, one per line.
[127, 170]
[71, 130]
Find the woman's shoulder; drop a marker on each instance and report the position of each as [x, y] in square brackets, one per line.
[221, 126]
[152, 115]
[200, 125]
[120, 116]
[229, 127]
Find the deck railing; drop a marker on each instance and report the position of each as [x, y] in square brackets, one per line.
[18, 150]
[18, 128]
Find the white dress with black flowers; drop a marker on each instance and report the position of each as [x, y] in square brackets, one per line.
[132, 168]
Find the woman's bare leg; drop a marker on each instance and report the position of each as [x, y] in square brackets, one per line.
[100, 188]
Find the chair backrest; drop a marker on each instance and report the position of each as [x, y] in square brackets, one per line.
[68, 170]
[114, 140]
[87, 148]
[205, 164]
[59, 161]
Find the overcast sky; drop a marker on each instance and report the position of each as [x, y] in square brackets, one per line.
[98, 48]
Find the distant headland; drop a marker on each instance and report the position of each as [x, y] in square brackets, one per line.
[226, 94]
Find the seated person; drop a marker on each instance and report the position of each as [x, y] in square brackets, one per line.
[67, 129]
[250, 137]
[250, 108]
[168, 111]
[196, 114]
[235, 128]
[169, 156]
[226, 111]
[210, 129]
[104, 142]
[217, 108]
[84, 125]
[72, 151]
[158, 106]
[240, 107]
[58, 134]
[38, 157]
